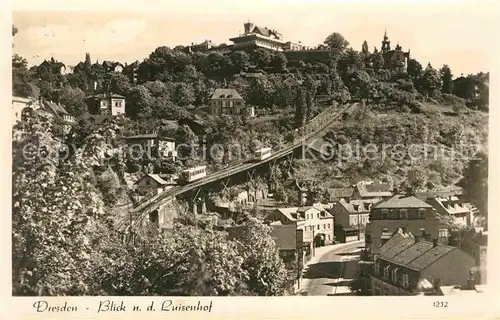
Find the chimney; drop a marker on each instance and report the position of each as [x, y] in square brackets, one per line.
[471, 282]
[437, 283]
[422, 232]
[434, 243]
[409, 191]
[417, 239]
[405, 231]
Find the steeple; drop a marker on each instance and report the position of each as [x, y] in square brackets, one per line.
[386, 44]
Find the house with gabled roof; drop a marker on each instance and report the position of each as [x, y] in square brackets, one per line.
[404, 211]
[351, 218]
[409, 265]
[111, 66]
[230, 102]
[106, 104]
[363, 190]
[152, 184]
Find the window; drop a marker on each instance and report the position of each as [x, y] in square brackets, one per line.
[406, 281]
[384, 214]
[317, 215]
[421, 213]
[329, 226]
[386, 272]
[328, 237]
[443, 233]
[318, 227]
[394, 275]
[377, 268]
[324, 226]
[403, 214]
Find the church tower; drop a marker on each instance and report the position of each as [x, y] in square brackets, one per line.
[386, 44]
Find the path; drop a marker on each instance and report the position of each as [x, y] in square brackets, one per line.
[326, 272]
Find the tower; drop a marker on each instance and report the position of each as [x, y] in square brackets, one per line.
[386, 44]
[248, 27]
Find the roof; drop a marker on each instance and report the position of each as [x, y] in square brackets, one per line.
[57, 109]
[226, 94]
[290, 213]
[374, 190]
[285, 236]
[155, 177]
[406, 252]
[105, 95]
[357, 206]
[452, 205]
[401, 201]
[149, 136]
[337, 193]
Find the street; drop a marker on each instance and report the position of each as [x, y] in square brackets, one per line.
[330, 274]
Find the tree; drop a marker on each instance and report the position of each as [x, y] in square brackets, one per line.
[415, 178]
[336, 42]
[431, 80]
[300, 107]
[414, 69]
[377, 61]
[446, 79]
[267, 275]
[475, 182]
[240, 60]
[73, 100]
[279, 62]
[364, 48]
[56, 216]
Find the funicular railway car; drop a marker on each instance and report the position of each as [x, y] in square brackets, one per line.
[192, 174]
[261, 154]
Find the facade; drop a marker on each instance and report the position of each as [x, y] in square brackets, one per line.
[290, 243]
[395, 59]
[315, 221]
[158, 146]
[106, 104]
[451, 206]
[407, 212]
[151, 184]
[351, 218]
[408, 265]
[229, 102]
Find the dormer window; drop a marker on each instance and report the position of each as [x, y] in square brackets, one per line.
[403, 214]
[384, 214]
[405, 280]
[421, 213]
[386, 272]
[394, 275]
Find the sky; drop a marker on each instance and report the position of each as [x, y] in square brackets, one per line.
[463, 35]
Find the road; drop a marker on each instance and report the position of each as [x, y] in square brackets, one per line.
[327, 275]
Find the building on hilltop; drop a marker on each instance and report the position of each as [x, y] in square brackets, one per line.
[395, 59]
[229, 102]
[51, 67]
[407, 212]
[408, 265]
[111, 66]
[258, 37]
